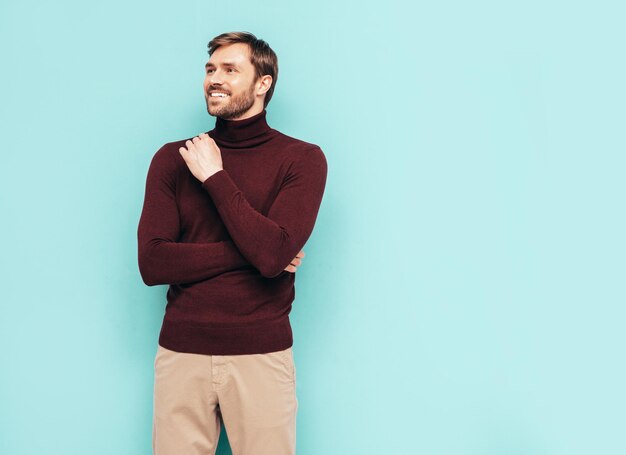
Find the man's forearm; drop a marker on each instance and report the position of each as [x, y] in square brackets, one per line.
[164, 262]
[270, 242]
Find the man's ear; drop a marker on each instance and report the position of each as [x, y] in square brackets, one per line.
[265, 84]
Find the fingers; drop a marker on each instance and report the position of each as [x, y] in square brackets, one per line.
[292, 267]
[191, 143]
[198, 138]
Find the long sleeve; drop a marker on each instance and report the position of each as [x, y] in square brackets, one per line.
[163, 260]
[270, 243]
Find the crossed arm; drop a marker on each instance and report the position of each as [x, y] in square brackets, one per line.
[270, 242]
[163, 260]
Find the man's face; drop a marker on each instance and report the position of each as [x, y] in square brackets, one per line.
[229, 71]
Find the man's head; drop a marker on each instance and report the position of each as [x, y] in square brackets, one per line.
[245, 69]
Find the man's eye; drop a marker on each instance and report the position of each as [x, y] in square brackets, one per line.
[229, 69]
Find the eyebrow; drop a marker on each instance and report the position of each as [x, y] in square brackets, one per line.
[223, 64]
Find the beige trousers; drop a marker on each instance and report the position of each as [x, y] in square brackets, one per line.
[254, 395]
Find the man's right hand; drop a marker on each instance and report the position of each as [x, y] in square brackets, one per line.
[295, 262]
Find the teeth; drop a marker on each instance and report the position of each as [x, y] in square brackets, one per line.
[219, 94]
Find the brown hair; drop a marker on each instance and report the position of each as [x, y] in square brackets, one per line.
[262, 57]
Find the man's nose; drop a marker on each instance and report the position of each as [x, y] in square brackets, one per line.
[215, 79]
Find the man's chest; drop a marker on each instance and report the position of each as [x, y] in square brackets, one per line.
[259, 181]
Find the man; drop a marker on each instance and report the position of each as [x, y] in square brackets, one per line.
[225, 216]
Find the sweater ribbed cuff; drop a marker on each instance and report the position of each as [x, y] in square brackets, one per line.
[220, 187]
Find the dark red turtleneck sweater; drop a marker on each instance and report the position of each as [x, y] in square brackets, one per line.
[222, 245]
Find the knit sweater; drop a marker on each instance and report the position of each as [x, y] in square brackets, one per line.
[222, 245]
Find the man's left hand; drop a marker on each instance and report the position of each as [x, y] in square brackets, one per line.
[203, 156]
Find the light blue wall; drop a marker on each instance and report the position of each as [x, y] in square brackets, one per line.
[463, 291]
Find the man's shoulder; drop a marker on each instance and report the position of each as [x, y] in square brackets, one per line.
[295, 146]
[168, 153]
[168, 147]
[303, 156]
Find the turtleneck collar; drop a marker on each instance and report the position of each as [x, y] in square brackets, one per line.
[248, 132]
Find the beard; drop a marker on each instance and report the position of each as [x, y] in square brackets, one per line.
[232, 106]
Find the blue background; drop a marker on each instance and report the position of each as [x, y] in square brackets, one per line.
[463, 291]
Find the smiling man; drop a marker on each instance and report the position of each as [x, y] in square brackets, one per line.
[224, 220]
